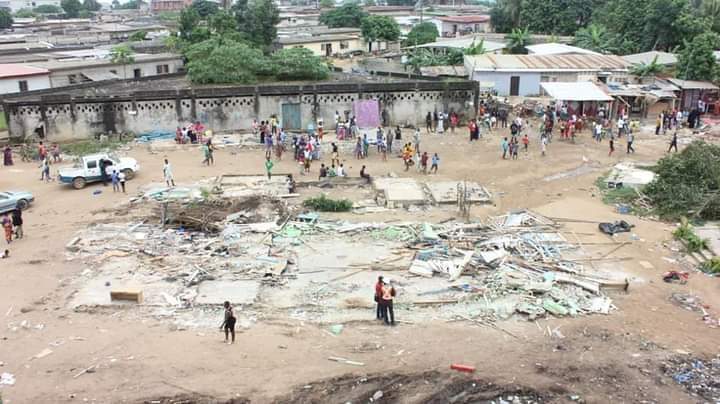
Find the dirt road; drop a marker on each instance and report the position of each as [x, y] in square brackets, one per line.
[101, 357]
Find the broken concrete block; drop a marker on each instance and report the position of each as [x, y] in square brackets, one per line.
[72, 245]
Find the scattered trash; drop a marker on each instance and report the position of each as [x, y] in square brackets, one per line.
[680, 277]
[97, 192]
[7, 379]
[345, 361]
[694, 304]
[336, 329]
[614, 228]
[45, 352]
[378, 395]
[462, 368]
[698, 376]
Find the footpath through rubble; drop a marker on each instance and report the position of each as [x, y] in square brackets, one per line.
[191, 251]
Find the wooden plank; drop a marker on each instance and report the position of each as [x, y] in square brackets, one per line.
[133, 295]
[443, 301]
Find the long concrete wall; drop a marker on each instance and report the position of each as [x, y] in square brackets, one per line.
[63, 117]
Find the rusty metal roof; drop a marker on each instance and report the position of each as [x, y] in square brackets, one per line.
[488, 62]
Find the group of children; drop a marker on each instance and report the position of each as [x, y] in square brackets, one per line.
[12, 224]
[510, 148]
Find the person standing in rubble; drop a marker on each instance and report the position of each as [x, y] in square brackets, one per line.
[229, 323]
[378, 298]
[167, 174]
[388, 295]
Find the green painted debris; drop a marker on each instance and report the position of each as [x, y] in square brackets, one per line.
[555, 308]
[336, 329]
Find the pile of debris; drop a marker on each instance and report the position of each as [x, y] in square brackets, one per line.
[699, 377]
[519, 258]
[188, 255]
[695, 304]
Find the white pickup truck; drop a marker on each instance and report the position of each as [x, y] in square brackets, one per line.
[87, 169]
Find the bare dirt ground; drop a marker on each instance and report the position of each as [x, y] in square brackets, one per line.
[615, 358]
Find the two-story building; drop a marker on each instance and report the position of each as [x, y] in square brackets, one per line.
[457, 25]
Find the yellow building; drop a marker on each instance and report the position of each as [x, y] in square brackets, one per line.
[325, 45]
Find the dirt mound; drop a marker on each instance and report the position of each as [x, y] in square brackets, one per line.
[428, 387]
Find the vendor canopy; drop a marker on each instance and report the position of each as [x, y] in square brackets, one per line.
[581, 91]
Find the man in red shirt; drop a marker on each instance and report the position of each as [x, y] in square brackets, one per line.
[378, 298]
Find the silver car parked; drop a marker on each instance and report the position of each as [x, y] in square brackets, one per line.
[11, 200]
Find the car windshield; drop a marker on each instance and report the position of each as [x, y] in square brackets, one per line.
[114, 157]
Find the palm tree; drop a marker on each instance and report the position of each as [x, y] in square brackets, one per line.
[594, 37]
[475, 48]
[518, 39]
[647, 69]
[122, 54]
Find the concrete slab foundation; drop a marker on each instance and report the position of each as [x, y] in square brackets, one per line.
[447, 192]
[236, 292]
[400, 191]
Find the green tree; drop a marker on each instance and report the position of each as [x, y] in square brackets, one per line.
[425, 32]
[91, 5]
[347, 15]
[71, 8]
[505, 15]
[25, 13]
[379, 28]
[122, 55]
[204, 8]
[222, 23]
[115, 4]
[596, 38]
[562, 17]
[687, 183]
[711, 10]
[647, 69]
[518, 39]
[260, 19]
[6, 20]
[696, 60]
[327, 3]
[217, 61]
[667, 23]
[500, 19]
[299, 64]
[130, 5]
[187, 23]
[48, 9]
[370, 3]
[643, 25]
[138, 36]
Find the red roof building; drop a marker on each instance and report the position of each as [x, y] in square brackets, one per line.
[18, 78]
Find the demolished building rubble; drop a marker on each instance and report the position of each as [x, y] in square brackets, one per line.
[193, 250]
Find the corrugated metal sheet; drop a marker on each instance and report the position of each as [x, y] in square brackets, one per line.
[554, 48]
[582, 91]
[548, 62]
[693, 85]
